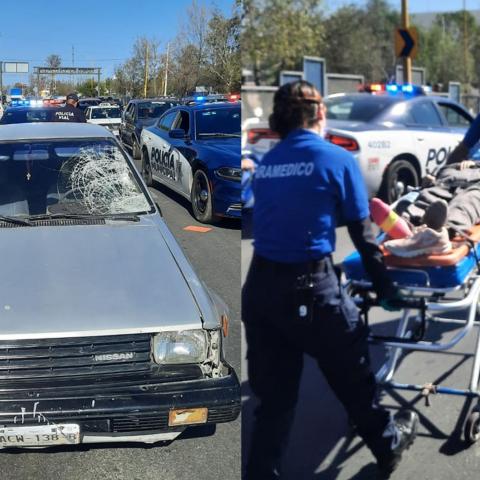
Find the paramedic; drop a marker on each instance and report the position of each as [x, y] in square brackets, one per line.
[292, 299]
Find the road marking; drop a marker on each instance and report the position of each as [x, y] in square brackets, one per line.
[195, 228]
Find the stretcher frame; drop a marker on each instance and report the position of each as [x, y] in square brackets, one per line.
[431, 301]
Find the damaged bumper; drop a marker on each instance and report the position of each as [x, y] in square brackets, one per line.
[133, 413]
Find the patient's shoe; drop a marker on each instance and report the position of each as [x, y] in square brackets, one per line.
[436, 215]
[425, 241]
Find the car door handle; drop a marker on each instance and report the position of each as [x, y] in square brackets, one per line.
[420, 139]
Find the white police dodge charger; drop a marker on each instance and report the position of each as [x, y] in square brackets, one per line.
[397, 139]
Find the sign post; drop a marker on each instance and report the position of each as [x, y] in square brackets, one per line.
[406, 41]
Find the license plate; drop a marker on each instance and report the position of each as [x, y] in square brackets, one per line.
[39, 435]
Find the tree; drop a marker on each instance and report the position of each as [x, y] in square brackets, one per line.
[223, 52]
[53, 61]
[278, 33]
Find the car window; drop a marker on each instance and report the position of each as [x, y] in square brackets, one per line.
[218, 122]
[357, 108]
[166, 122]
[455, 116]
[26, 116]
[130, 109]
[183, 121]
[107, 112]
[424, 113]
[78, 176]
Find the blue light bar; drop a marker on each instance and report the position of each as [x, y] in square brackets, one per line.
[392, 88]
[199, 99]
[407, 88]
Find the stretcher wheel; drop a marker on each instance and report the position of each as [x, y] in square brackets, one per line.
[472, 426]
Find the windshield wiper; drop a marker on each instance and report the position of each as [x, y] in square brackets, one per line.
[15, 220]
[128, 217]
[219, 134]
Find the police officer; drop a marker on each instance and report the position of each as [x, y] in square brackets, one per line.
[70, 112]
[293, 302]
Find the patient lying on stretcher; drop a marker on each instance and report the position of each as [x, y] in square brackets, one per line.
[448, 205]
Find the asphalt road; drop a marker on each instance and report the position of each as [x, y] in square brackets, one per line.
[215, 256]
[322, 446]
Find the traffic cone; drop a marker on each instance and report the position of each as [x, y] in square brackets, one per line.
[388, 220]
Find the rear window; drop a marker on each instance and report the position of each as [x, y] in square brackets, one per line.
[358, 108]
[153, 109]
[27, 116]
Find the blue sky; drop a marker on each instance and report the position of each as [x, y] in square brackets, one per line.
[418, 5]
[102, 31]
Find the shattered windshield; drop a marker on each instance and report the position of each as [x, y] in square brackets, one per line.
[86, 177]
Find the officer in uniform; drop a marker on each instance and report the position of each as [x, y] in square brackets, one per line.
[293, 302]
[70, 112]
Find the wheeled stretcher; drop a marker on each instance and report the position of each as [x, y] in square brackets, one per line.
[431, 285]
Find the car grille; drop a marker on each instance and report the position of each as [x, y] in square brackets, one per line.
[236, 207]
[74, 357]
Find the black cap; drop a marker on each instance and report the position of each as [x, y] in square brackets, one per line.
[72, 96]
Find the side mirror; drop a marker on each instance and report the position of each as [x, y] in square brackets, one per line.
[177, 133]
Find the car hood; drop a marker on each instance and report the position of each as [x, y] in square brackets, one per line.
[91, 280]
[224, 151]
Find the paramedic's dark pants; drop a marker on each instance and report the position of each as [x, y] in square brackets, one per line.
[276, 342]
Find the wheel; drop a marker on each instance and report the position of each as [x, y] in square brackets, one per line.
[472, 426]
[399, 175]
[201, 198]
[135, 149]
[146, 169]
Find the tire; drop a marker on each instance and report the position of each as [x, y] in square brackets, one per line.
[135, 149]
[400, 174]
[201, 198]
[472, 426]
[146, 169]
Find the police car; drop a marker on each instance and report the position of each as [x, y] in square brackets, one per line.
[397, 134]
[195, 150]
[105, 114]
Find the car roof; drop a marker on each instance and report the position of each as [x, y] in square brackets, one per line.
[209, 106]
[169, 99]
[103, 106]
[48, 130]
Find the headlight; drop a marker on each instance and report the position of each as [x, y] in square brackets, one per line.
[188, 346]
[230, 173]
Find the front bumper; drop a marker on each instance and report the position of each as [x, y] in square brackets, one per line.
[136, 413]
[227, 198]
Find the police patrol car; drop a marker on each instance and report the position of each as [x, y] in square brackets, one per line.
[195, 150]
[105, 114]
[397, 135]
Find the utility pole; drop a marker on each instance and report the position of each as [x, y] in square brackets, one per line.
[145, 85]
[73, 65]
[407, 61]
[166, 73]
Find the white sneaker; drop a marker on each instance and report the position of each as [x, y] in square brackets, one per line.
[424, 241]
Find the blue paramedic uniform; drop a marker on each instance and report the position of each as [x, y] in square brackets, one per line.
[302, 187]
